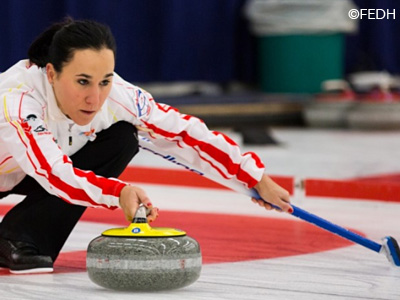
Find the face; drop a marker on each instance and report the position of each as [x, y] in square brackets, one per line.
[83, 84]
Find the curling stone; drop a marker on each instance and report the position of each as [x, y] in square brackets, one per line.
[330, 108]
[375, 115]
[328, 114]
[142, 258]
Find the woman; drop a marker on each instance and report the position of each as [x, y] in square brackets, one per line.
[69, 127]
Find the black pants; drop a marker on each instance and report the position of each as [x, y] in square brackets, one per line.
[45, 220]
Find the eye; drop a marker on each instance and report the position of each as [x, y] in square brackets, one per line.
[105, 82]
[83, 81]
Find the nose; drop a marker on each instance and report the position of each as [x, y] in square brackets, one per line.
[93, 96]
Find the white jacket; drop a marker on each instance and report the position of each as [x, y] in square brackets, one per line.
[35, 139]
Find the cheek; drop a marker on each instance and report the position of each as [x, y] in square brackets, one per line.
[104, 93]
[67, 95]
[72, 93]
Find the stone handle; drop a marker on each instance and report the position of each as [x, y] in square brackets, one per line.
[141, 214]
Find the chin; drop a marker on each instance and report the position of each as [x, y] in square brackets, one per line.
[81, 122]
[85, 120]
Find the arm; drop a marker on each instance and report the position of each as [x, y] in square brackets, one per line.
[217, 155]
[188, 138]
[37, 154]
[24, 133]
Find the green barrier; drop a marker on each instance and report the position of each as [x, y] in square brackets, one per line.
[299, 63]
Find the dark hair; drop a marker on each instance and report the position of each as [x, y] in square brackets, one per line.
[57, 43]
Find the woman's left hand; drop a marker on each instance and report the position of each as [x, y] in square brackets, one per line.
[273, 193]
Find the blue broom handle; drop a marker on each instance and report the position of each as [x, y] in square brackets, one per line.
[329, 226]
[343, 232]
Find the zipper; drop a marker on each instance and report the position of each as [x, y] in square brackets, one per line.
[70, 134]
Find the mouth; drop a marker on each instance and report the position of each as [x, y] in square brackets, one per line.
[88, 112]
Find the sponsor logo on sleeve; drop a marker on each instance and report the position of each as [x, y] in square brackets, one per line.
[36, 124]
[142, 104]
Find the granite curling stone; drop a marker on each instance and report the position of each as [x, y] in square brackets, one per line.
[328, 114]
[375, 115]
[142, 258]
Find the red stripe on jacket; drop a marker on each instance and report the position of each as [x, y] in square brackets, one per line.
[72, 192]
[217, 154]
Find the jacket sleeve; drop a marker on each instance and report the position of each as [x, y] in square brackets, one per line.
[27, 139]
[188, 138]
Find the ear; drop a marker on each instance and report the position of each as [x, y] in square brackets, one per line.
[51, 73]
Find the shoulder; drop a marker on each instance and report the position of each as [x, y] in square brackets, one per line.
[23, 77]
[21, 90]
[20, 69]
[129, 98]
[124, 90]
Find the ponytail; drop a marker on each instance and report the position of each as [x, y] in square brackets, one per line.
[39, 50]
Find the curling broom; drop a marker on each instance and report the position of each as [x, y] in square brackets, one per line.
[389, 245]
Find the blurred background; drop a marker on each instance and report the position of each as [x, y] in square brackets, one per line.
[246, 64]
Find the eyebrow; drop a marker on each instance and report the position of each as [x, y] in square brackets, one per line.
[89, 76]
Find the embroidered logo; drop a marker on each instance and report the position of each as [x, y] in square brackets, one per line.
[91, 135]
[35, 124]
[142, 104]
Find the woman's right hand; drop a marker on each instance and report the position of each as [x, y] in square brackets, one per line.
[131, 197]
